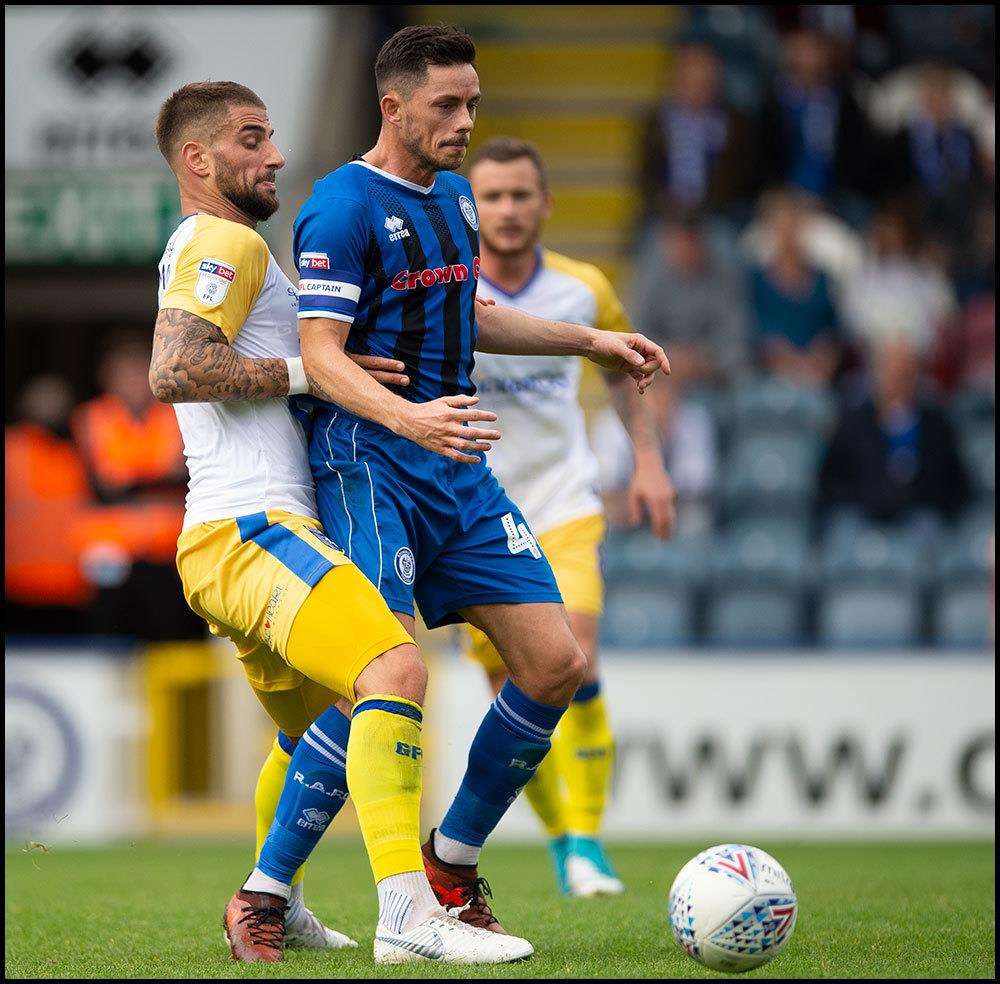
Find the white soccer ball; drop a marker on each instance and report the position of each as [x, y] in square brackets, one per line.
[732, 907]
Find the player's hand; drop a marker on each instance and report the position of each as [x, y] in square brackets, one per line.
[630, 353]
[389, 372]
[652, 493]
[442, 426]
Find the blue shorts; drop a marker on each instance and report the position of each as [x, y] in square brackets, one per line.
[421, 526]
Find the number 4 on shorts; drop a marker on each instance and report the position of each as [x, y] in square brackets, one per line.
[519, 537]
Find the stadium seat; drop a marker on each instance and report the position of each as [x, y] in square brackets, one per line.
[972, 408]
[767, 472]
[965, 552]
[638, 557]
[963, 616]
[869, 616]
[771, 405]
[755, 617]
[979, 452]
[647, 616]
[856, 552]
[772, 548]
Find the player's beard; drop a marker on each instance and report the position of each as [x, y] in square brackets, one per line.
[426, 159]
[251, 202]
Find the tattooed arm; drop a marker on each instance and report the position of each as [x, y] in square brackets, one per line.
[193, 362]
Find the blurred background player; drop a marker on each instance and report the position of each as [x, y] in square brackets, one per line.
[546, 464]
[309, 628]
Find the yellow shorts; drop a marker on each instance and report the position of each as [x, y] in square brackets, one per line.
[573, 550]
[249, 578]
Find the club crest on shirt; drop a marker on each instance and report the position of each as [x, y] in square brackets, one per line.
[469, 212]
[214, 279]
[405, 565]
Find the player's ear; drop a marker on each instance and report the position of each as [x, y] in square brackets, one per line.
[390, 104]
[194, 157]
[549, 204]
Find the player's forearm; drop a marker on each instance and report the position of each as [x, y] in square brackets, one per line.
[193, 362]
[637, 415]
[333, 376]
[506, 331]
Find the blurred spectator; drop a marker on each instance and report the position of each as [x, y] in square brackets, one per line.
[897, 289]
[815, 136]
[697, 151]
[45, 494]
[935, 150]
[693, 305]
[894, 454]
[131, 448]
[796, 330]
[690, 455]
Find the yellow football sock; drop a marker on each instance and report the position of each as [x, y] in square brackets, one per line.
[584, 747]
[545, 795]
[384, 776]
[270, 783]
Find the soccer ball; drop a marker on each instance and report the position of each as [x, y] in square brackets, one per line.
[732, 907]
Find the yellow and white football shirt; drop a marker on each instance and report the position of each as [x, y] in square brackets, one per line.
[544, 461]
[242, 456]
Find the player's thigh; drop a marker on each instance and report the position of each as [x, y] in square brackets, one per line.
[536, 644]
[341, 628]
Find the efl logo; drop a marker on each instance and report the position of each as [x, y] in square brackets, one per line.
[218, 269]
[314, 261]
[410, 279]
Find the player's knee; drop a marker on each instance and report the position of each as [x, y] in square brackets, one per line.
[399, 671]
[555, 680]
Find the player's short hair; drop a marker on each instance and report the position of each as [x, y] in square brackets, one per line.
[505, 149]
[403, 60]
[198, 108]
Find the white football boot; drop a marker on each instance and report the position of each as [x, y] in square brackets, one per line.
[585, 880]
[449, 940]
[304, 931]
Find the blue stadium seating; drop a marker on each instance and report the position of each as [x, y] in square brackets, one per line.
[748, 617]
[855, 552]
[648, 616]
[869, 616]
[979, 453]
[963, 616]
[765, 472]
[769, 404]
[774, 549]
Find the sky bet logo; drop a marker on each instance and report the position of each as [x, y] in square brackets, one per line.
[411, 279]
[409, 751]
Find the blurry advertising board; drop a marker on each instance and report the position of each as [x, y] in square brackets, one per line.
[71, 725]
[85, 181]
[795, 746]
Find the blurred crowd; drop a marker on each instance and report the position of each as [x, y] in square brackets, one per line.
[816, 254]
[94, 501]
[818, 259]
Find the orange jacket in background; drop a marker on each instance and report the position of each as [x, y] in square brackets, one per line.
[123, 452]
[46, 493]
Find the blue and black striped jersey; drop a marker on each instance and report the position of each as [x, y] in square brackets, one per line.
[399, 263]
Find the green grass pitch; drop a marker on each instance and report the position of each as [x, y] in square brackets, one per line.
[154, 910]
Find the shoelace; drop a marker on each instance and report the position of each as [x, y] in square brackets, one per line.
[266, 925]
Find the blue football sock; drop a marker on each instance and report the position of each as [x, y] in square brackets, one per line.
[315, 790]
[511, 742]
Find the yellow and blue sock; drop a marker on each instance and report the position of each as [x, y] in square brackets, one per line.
[511, 743]
[315, 790]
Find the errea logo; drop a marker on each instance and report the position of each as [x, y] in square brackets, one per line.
[396, 228]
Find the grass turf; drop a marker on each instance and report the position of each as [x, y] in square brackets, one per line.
[154, 910]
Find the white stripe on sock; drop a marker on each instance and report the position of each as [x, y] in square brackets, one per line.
[259, 882]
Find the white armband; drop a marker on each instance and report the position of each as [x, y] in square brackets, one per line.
[297, 382]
